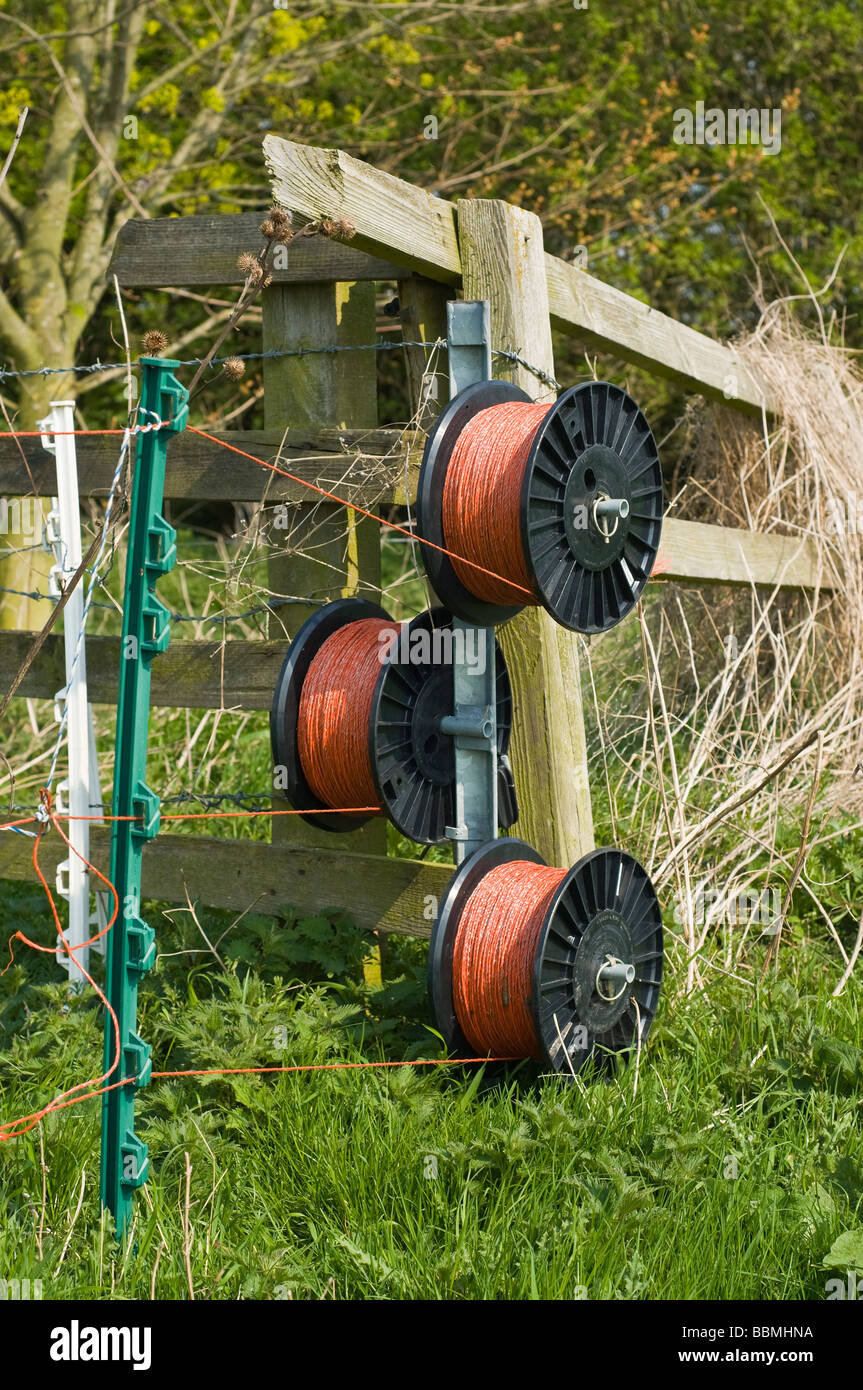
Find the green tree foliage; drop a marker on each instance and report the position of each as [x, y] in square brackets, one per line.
[160, 110]
[149, 109]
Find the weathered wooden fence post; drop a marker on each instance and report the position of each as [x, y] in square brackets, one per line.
[503, 261]
[330, 551]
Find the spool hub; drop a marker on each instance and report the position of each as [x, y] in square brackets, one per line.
[585, 1001]
[412, 760]
[593, 449]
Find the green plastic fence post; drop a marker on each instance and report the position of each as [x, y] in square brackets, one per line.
[131, 948]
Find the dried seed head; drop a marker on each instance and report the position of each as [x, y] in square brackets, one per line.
[281, 220]
[155, 342]
[268, 228]
[234, 367]
[250, 266]
[337, 227]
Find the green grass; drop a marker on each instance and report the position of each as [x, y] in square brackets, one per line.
[727, 1173]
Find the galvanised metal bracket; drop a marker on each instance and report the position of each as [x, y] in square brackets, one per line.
[468, 335]
[473, 723]
[131, 950]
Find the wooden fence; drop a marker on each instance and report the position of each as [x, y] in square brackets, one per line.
[435, 250]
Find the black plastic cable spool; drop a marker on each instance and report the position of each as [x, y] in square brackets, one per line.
[604, 909]
[594, 444]
[412, 762]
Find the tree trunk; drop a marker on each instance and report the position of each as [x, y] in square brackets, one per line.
[24, 565]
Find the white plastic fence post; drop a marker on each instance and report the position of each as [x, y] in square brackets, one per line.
[100, 917]
[78, 794]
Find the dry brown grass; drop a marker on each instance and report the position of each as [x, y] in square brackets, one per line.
[744, 707]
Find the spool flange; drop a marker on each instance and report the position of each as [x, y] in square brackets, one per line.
[436, 458]
[285, 709]
[604, 909]
[412, 760]
[593, 445]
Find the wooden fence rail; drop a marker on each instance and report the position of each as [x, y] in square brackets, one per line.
[199, 471]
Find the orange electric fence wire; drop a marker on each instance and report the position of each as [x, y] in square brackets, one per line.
[218, 815]
[526, 593]
[304, 482]
[88, 1090]
[204, 815]
[481, 504]
[490, 524]
[335, 711]
[13, 1128]
[37, 434]
[493, 956]
[8, 1129]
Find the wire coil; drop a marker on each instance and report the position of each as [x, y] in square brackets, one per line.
[356, 720]
[335, 709]
[494, 954]
[482, 497]
[524, 504]
[555, 965]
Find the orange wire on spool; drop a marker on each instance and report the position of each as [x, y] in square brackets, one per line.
[558, 506]
[493, 957]
[334, 713]
[481, 506]
[356, 720]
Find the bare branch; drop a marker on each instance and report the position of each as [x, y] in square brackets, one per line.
[11, 155]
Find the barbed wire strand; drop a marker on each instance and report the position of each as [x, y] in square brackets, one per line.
[86, 369]
[177, 617]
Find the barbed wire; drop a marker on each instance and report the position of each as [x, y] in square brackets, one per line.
[209, 801]
[86, 369]
[177, 617]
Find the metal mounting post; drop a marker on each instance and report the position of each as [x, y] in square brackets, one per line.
[146, 632]
[472, 724]
[473, 727]
[468, 335]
